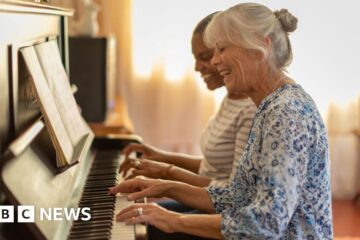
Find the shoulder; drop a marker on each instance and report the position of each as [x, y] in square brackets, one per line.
[239, 105]
[292, 110]
[242, 111]
[249, 107]
[246, 111]
[292, 101]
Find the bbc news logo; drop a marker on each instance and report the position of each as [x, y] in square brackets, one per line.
[26, 214]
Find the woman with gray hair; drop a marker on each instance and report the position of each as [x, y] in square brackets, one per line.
[281, 189]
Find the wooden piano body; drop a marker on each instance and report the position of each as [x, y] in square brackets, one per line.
[28, 175]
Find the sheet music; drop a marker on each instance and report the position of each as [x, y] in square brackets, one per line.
[48, 106]
[50, 60]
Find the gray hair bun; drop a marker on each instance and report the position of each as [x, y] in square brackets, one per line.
[287, 20]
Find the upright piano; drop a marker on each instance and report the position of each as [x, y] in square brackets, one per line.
[28, 174]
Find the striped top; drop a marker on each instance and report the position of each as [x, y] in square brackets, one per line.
[224, 139]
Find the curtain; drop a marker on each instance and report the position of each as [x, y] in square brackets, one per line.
[343, 122]
[169, 115]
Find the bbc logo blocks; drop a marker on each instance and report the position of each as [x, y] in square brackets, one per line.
[6, 213]
[24, 214]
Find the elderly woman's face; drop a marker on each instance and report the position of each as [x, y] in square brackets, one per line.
[203, 55]
[237, 66]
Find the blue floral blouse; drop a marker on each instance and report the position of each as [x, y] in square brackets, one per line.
[282, 186]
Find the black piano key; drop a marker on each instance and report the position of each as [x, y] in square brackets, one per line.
[96, 223]
[95, 204]
[100, 178]
[91, 238]
[89, 201]
[97, 231]
[96, 192]
[86, 226]
[104, 169]
[98, 197]
[101, 207]
[100, 187]
[105, 234]
[98, 204]
[98, 184]
[87, 231]
[93, 222]
[102, 214]
[93, 207]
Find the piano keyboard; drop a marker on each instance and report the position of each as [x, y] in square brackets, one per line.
[103, 174]
[119, 229]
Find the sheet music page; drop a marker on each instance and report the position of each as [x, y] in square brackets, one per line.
[51, 114]
[56, 76]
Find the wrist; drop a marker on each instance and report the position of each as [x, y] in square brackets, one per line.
[164, 156]
[171, 187]
[178, 225]
[166, 174]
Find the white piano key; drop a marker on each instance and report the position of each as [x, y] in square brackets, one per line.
[119, 229]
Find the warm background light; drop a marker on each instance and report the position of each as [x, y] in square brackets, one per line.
[325, 44]
[162, 33]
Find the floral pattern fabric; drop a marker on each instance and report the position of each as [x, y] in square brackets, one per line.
[281, 189]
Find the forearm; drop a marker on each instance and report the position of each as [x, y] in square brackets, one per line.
[208, 226]
[195, 197]
[179, 174]
[188, 162]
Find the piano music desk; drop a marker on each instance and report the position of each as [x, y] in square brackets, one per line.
[117, 121]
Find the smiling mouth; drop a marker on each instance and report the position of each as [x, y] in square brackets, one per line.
[206, 76]
[224, 73]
